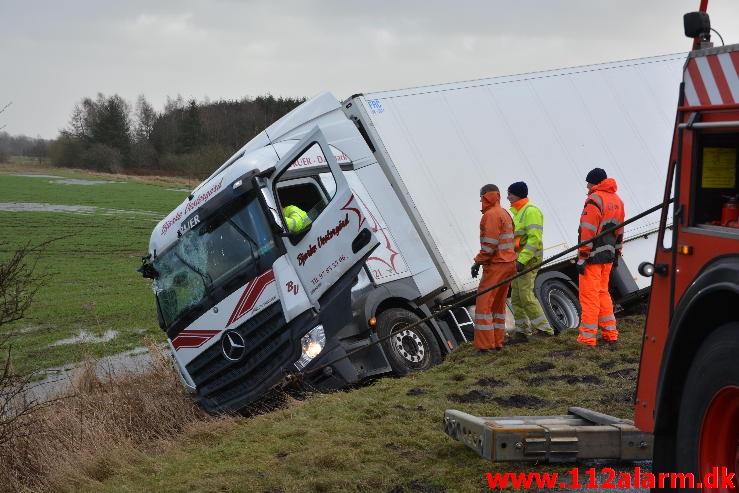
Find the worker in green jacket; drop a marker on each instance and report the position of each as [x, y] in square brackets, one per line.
[528, 222]
[295, 218]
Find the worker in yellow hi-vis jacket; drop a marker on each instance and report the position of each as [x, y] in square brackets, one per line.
[295, 218]
[528, 224]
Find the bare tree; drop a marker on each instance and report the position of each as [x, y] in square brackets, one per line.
[3, 109]
[145, 118]
[18, 286]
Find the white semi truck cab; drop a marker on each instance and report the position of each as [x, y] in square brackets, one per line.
[244, 301]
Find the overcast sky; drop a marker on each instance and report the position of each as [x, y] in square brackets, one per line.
[54, 53]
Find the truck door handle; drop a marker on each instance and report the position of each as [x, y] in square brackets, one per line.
[361, 240]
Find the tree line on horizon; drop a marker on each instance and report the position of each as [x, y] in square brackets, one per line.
[186, 138]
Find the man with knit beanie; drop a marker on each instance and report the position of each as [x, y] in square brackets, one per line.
[603, 209]
[497, 259]
[528, 222]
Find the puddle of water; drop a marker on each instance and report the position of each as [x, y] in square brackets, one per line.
[60, 378]
[87, 338]
[35, 207]
[79, 209]
[73, 181]
[37, 176]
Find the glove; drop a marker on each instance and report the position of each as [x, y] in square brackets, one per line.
[519, 266]
[615, 262]
[475, 270]
[580, 267]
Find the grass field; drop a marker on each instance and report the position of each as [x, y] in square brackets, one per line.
[99, 232]
[383, 437]
[387, 436]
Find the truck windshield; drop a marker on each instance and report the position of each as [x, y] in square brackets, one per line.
[217, 253]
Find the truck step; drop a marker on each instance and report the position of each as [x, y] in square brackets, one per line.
[581, 434]
[462, 323]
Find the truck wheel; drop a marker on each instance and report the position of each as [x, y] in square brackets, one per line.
[560, 305]
[708, 423]
[407, 350]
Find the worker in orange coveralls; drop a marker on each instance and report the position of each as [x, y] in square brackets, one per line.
[498, 260]
[603, 209]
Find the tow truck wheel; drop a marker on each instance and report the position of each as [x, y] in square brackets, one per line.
[407, 349]
[560, 305]
[708, 423]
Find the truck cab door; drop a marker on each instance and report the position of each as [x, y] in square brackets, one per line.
[324, 231]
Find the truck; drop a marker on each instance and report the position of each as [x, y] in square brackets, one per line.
[686, 414]
[389, 182]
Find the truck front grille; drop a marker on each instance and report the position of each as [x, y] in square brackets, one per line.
[224, 385]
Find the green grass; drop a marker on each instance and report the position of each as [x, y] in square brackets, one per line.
[388, 436]
[385, 437]
[89, 267]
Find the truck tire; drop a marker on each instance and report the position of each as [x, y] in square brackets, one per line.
[560, 305]
[708, 423]
[407, 350]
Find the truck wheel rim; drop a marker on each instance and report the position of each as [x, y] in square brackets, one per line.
[719, 437]
[562, 308]
[409, 345]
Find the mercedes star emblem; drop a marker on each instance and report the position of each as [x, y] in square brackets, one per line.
[233, 345]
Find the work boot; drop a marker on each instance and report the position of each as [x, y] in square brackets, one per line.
[520, 336]
[480, 352]
[545, 332]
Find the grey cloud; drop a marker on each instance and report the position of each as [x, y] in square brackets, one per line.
[61, 52]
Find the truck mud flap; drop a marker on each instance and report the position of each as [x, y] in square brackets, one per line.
[581, 434]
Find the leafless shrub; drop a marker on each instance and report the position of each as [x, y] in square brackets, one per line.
[98, 425]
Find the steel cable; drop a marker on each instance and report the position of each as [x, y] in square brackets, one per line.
[465, 300]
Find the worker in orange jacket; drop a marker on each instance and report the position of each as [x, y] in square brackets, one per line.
[498, 260]
[603, 210]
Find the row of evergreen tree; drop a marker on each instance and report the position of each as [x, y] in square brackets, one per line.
[187, 137]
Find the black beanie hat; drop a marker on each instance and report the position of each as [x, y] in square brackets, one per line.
[596, 175]
[519, 189]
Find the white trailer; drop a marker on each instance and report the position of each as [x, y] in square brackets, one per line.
[390, 183]
[439, 144]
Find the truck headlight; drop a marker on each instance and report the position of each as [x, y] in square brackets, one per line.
[312, 343]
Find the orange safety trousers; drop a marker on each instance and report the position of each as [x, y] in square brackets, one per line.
[597, 306]
[490, 306]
